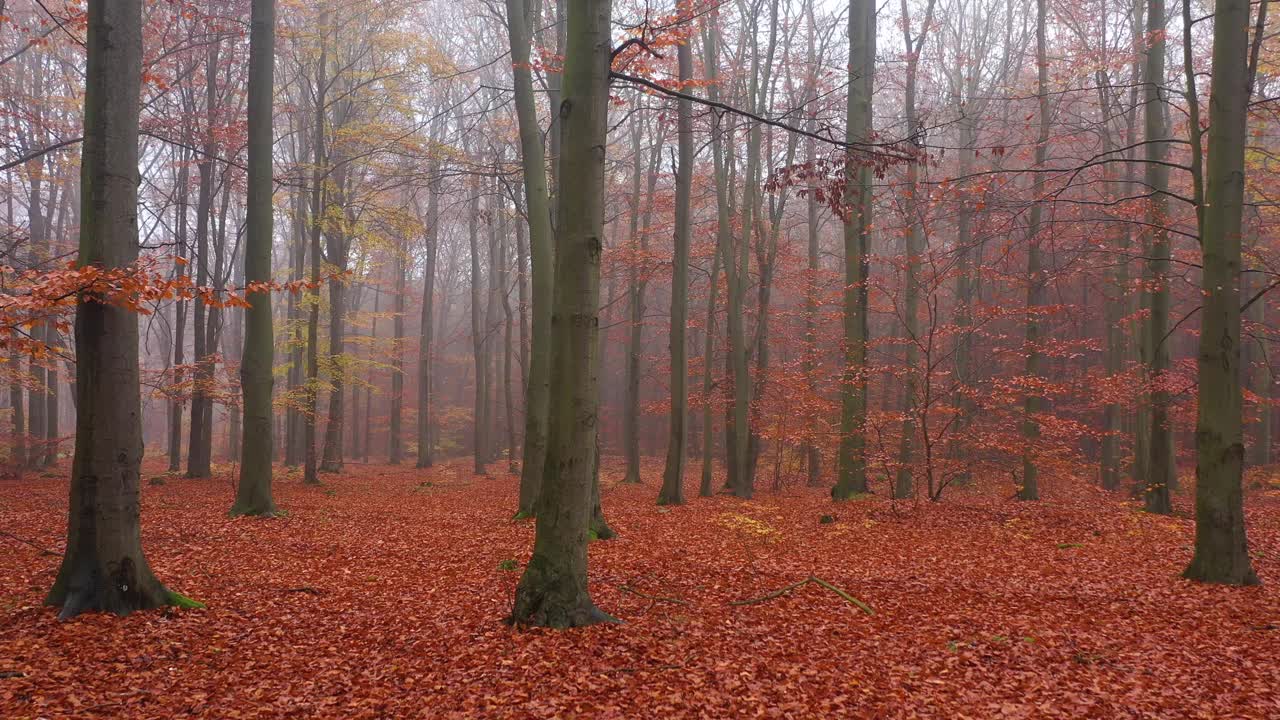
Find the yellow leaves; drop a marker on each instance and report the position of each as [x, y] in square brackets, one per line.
[747, 525]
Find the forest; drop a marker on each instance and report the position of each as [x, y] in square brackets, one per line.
[661, 358]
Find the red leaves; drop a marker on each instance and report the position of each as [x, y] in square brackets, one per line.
[382, 596]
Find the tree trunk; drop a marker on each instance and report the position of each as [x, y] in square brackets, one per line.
[396, 450]
[427, 330]
[310, 474]
[1160, 469]
[104, 567]
[852, 478]
[198, 454]
[672, 492]
[253, 496]
[541, 254]
[553, 590]
[1033, 403]
[480, 423]
[1222, 548]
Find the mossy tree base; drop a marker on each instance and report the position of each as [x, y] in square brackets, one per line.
[550, 597]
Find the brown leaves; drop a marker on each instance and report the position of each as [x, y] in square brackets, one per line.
[376, 600]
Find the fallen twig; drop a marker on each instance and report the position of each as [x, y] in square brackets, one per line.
[43, 551]
[816, 581]
[304, 589]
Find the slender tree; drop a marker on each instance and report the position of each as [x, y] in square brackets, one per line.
[253, 497]
[852, 478]
[672, 492]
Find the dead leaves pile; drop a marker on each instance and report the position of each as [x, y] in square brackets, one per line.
[382, 594]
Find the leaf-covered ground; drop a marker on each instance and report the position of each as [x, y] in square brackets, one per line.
[382, 595]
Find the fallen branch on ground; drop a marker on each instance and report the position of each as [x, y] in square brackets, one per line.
[816, 581]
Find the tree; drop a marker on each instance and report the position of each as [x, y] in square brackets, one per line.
[1034, 402]
[553, 589]
[672, 492]
[1222, 548]
[1159, 464]
[541, 261]
[852, 478]
[103, 567]
[253, 496]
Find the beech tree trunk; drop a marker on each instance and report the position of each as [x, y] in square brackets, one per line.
[253, 496]
[1160, 441]
[852, 478]
[672, 492]
[104, 567]
[1222, 548]
[425, 455]
[1033, 403]
[553, 590]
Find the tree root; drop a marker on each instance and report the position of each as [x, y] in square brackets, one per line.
[816, 581]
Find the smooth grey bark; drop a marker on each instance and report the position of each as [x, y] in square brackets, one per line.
[1033, 403]
[541, 254]
[672, 492]
[198, 451]
[480, 423]
[1159, 464]
[395, 440]
[1222, 548]
[852, 470]
[311, 465]
[427, 336]
[253, 495]
[553, 590]
[915, 248]
[103, 568]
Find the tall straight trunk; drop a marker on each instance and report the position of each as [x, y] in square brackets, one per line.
[852, 477]
[427, 330]
[813, 454]
[1258, 365]
[1160, 444]
[297, 270]
[672, 492]
[253, 496]
[635, 328]
[480, 423]
[198, 454]
[553, 590]
[915, 248]
[364, 433]
[336, 255]
[1222, 548]
[1033, 404]
[103, 567]
[318, 174]
[706, 484]
[541, 253]
[1114, 354]
[492, 324]
[37, 405]
[504, 296]
[395, 452]
[18, 458]
[179, 315]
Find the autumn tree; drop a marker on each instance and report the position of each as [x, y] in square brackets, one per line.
[553, 589]
[103, 567]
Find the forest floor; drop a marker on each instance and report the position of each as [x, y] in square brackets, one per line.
[382, 595]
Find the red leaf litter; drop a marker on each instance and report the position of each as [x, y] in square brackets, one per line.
[382, 595]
